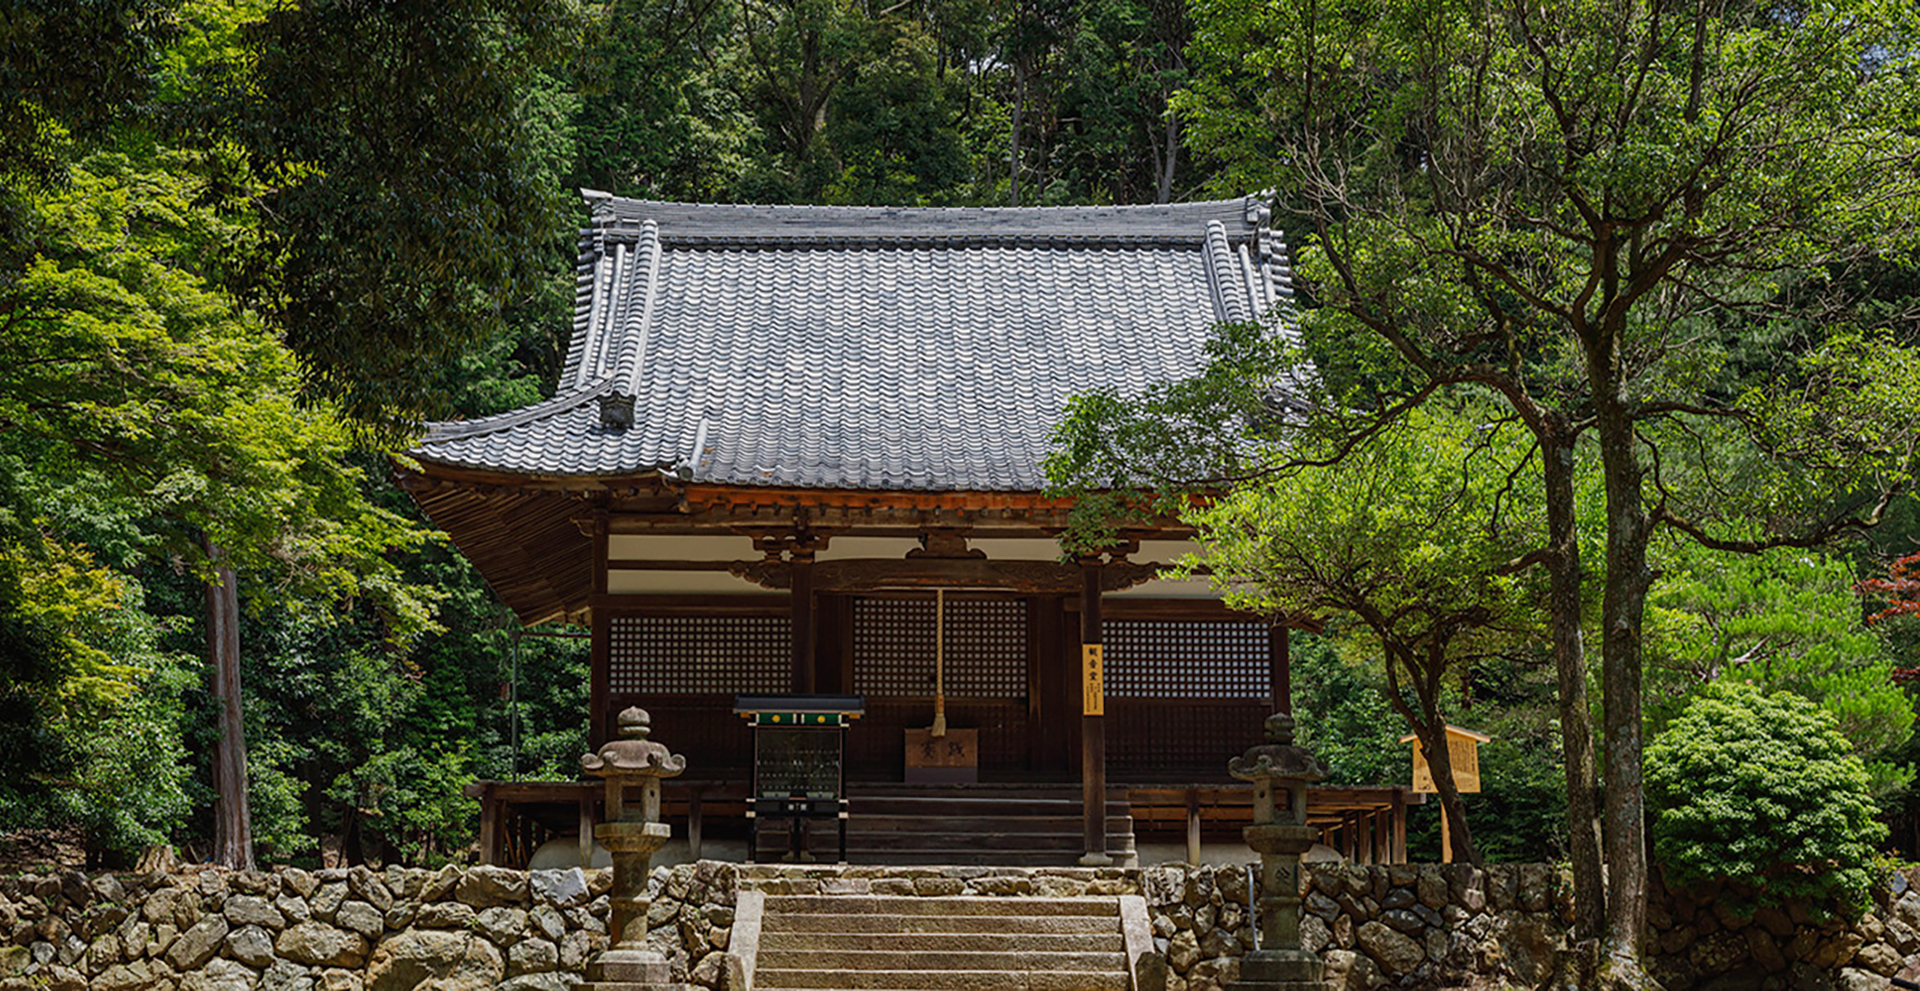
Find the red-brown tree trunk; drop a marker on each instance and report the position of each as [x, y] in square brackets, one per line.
[232, 819]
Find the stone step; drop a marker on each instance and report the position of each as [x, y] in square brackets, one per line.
[858, 822]
[955, 925]
[942, 980]
[1002, 789]
[1007, 942]
[911, 957]
[951, 905]
[972, 858]
[1035, 840]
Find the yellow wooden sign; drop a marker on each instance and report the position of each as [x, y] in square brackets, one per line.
[1463, 749]
[1093, 681]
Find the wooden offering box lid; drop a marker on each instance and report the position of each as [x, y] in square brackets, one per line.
[799, 710]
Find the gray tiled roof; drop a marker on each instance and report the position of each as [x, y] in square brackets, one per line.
[870, 347]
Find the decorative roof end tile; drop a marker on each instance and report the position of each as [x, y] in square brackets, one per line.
[616, 411]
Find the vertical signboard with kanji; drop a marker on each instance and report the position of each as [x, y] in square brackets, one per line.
[1093, 681]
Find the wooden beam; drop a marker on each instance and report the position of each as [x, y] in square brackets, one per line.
[684, 605]
[1201, 610]
[880, 574]
[651, 564]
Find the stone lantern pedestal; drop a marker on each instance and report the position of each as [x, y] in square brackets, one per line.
[1280, 773]
[632, 833]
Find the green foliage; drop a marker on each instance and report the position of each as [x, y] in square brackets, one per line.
[406, 205]
[1417, 524]
[1519, 816]
[89, 704]
[125, 359]
[1785, 621]
[1761, 790]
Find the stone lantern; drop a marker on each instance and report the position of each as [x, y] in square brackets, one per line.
[1280, 773]
[631, 833]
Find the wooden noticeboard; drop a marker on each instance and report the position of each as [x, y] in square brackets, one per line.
[1463, 750]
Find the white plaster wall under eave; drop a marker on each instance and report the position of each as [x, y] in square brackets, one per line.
[652, 582]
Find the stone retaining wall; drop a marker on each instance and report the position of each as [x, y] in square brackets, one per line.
[1421, 926]
[343, 930]
[1433, 926]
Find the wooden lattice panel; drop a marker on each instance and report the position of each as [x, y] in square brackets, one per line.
[700, 655]
[1185, 659]
[893, 645]
[1186, 741]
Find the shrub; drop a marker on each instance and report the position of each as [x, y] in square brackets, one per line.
[1762, 791]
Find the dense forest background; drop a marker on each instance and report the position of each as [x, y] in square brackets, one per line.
[246, 247]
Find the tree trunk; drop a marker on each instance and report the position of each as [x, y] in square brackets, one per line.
[1164, 193]
[1433, 740]
[232, 819]
[1622, 610]
[1013, 153]
[1570, 667]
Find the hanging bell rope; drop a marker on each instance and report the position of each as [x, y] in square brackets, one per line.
[939, 662]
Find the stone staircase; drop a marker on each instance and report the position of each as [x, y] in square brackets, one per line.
[952, 943]
[1005, 825]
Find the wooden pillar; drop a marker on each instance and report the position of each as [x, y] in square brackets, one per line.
[694, 825]
[833, 647]
[599, 666]
[804, 682]
[1399, 826]
[599, 682]
[1093, 721]
[489, 826]
[1193, 827]
[586, 829]
[1363, 837]
[1280, 663]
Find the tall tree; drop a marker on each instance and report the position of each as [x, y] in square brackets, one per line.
[1407, 544]
[1641, 225]
[406, 204]
[124, 360]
